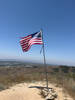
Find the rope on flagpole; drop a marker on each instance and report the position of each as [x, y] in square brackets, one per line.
[43, 48]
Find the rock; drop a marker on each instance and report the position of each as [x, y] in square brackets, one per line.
[49, 97]
[49, 94]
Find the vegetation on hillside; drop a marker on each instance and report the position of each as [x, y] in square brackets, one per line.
[60, 75]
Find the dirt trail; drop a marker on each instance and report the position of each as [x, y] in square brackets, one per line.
[23, 92]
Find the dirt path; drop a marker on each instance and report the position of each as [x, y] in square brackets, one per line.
[23, 92]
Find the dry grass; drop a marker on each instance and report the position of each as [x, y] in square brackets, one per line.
[13, 75]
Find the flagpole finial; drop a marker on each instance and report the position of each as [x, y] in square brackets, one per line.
[41, 30]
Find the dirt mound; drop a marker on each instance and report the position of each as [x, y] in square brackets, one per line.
[30, 91]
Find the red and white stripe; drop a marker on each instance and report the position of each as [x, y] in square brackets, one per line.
[28, 41]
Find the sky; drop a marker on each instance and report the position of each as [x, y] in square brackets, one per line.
[20, 18]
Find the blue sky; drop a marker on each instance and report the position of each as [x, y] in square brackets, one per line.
[23, 17]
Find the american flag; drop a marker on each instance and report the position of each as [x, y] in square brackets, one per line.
[27, 41]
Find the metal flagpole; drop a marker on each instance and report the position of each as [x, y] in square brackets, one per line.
[44, 60]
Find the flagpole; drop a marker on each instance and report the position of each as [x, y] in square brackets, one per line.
[45, 66]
